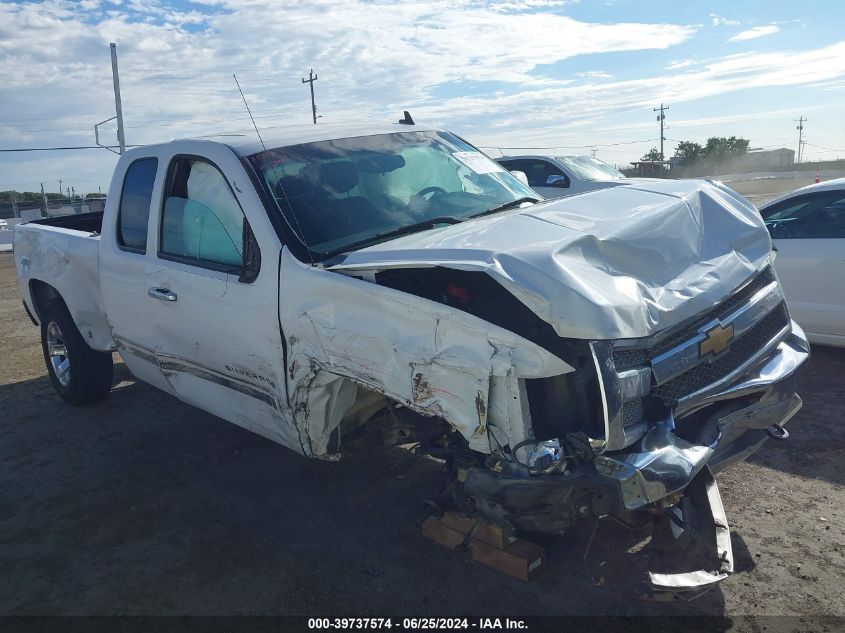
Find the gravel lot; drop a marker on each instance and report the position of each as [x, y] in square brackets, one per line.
[144, 505]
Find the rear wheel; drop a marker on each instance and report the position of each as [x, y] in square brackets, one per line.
[80, 375]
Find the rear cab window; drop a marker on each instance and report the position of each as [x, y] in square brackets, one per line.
[134, 210]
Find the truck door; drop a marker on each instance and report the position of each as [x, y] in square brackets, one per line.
[219, 344]
[127, 258]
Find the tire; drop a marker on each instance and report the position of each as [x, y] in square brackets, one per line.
[80, 375]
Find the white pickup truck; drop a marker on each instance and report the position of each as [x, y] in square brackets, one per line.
[594, 356]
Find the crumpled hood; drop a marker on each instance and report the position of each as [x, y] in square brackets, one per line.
[623, 262]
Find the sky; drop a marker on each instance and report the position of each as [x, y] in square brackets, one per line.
[568, 75]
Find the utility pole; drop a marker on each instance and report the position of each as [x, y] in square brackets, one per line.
[661, 117]
[44, 199]
[60, 187]
[593, 152]
[118, 108]
[311, 79]
[800, 127]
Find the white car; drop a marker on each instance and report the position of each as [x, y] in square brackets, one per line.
[808, 230]
[3, 225]
[559, 176]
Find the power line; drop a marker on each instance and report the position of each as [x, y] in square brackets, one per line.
[56, 149]
[648, 140]
[44, 130]
[829, 149]
[153, 123]
[35, 182]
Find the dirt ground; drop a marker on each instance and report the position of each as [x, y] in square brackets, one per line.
[144, 505]
[760, 191]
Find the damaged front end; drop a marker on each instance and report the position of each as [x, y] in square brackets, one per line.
[544, 432]
[672, 416]
[575, 374]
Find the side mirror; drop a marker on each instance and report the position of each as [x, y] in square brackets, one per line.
[520, 176]
[252, 256]
[562, 182]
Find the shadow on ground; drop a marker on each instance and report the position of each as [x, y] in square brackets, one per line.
[142, 504]
[816, 448]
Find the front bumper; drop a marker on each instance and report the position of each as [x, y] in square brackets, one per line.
[726, 425]
[720, 426]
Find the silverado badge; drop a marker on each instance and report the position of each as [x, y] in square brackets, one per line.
[718, 340]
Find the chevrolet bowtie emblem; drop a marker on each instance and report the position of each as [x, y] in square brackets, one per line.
[718, 340]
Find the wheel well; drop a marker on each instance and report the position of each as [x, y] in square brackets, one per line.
[42, 295]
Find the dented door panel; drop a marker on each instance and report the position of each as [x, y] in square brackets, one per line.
[219, 345]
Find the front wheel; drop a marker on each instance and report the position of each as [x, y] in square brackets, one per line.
[80, 375]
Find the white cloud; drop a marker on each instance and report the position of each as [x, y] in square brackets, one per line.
[718, 20]
[681, 63]
[373, 58]
[610, 100]
[755, 32]
[595, 74]
[525, 5]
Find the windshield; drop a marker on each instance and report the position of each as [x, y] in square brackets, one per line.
[339, 193]
[589, 168]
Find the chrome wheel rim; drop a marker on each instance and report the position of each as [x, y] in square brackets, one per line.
[59, 359]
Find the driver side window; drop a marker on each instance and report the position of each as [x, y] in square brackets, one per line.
[812, 216]
[201, 223]
[537, 171]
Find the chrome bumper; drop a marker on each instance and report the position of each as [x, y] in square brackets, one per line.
[663, 462]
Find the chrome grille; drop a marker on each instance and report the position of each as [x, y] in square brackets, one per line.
[743, 347]
[628, 359]
[632, 412]
[722, 310]
[740, 351]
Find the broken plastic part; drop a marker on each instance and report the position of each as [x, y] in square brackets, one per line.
[705, 525]
[662, 464]
[547, 457]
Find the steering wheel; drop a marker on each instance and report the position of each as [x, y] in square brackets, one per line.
[430, 190]
[784, 230]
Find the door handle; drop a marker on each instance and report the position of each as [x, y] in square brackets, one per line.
[162, 294]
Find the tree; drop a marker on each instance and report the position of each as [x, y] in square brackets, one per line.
[653, 154]
[717, 149]
[689, 152]
[720, 148]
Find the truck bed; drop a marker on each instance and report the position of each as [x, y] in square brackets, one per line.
[87, 222]
[64, 254]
